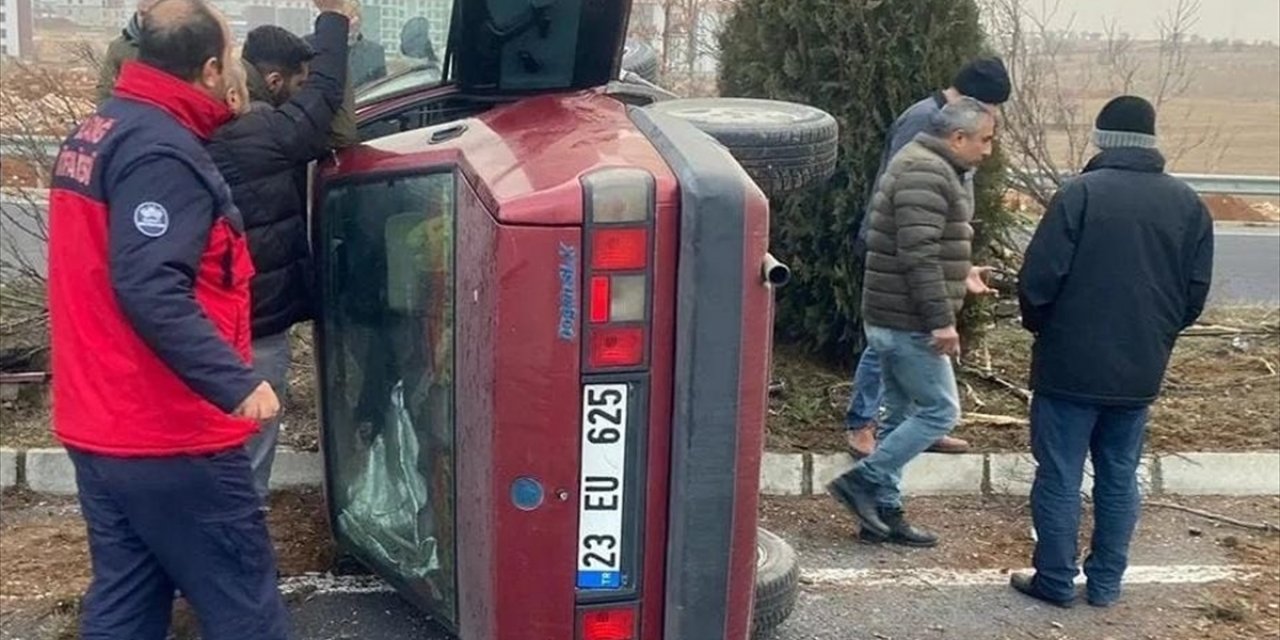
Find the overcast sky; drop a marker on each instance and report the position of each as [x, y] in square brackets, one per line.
[1247, 20]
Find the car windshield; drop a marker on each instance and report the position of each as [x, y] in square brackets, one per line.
[400, 44]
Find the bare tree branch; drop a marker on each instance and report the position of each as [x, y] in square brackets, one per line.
[1057, 77]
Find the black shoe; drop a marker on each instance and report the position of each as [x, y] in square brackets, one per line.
[900, 532]
[1025, 583]
[860, 500]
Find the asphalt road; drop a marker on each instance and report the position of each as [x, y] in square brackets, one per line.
[1246, 264]
[855, 592]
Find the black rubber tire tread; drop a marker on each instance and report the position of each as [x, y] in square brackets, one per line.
[777, 584]
[783, 146]
[641, 59]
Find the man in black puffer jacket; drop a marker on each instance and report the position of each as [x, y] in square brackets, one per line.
[263, 155]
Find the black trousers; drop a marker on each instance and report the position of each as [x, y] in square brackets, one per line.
[191, 523]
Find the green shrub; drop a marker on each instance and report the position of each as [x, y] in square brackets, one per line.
[863, 61]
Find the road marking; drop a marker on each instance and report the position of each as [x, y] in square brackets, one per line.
[938, 577]
[325, 584]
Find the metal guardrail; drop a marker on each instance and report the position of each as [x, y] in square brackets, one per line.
[1210, 183]
[1232, 184]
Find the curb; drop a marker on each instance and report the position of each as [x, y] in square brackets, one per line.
[50, 471]
[796, 474]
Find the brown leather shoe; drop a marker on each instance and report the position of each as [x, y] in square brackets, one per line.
[948, 444]
[861, 441]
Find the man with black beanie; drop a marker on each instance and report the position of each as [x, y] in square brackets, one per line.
[1119, 266]
[987, 81]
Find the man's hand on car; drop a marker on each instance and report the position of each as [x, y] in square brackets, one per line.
[976, 282]
[261, 405]
[947, 341]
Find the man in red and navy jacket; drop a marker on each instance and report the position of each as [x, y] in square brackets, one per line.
[154, 394]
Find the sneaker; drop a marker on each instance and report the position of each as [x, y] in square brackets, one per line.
[860, 500]
[901, 532]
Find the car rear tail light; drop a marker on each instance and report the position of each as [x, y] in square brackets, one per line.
[619, 239]
[617, 623]
[616, 347]
[601, 299]
[627, 301]
[619, 249]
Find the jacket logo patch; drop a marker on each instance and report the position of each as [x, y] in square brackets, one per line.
[151, 219]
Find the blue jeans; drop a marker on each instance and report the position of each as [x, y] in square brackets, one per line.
[192, 523]
[868, 391]
[271, 358]
[921, 404]
[1063, 432]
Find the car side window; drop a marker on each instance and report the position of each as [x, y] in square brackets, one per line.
[418, 116]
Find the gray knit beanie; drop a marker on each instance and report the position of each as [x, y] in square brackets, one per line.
[1126, 121]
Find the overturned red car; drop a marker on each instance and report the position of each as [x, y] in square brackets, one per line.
[544, 336]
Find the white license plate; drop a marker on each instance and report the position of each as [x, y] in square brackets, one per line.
[601, 484]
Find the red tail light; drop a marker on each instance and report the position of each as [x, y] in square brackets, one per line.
[619, 205]
[600, 298]
[616, 347]
[609, 624]
[619, 249]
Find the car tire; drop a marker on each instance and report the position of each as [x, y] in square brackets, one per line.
[783, 146]
[641, 59]
[777, 584]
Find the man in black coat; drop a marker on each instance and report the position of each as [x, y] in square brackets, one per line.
[1120, 265]
[294, 95]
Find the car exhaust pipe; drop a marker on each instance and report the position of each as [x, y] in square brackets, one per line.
[775, 273]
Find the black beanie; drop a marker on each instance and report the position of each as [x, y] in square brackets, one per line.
[984, 79]
[1127, 121]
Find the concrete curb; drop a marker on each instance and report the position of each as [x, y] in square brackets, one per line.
[790, 474]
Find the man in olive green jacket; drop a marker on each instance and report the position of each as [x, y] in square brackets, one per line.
[918, 273]
[121, 50]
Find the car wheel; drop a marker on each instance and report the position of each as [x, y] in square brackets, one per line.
[783, 146]
[777, 584]
[641, 59]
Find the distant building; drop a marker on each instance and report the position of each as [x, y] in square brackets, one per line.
[381, 21]
[17, 27]
[294, 15]
[107, 14]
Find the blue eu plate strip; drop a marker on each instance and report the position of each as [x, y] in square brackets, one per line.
[599, 580]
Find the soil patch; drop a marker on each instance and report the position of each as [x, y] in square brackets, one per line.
[975, 533]
[44, 552]
[1226, 208]
[1245, 610]
[1222, 393]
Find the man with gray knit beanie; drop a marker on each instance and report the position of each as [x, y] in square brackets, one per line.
[1120, 265]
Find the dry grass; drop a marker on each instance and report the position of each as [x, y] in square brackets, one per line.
[45, 555]
[1222, 394]
[1232, 105]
